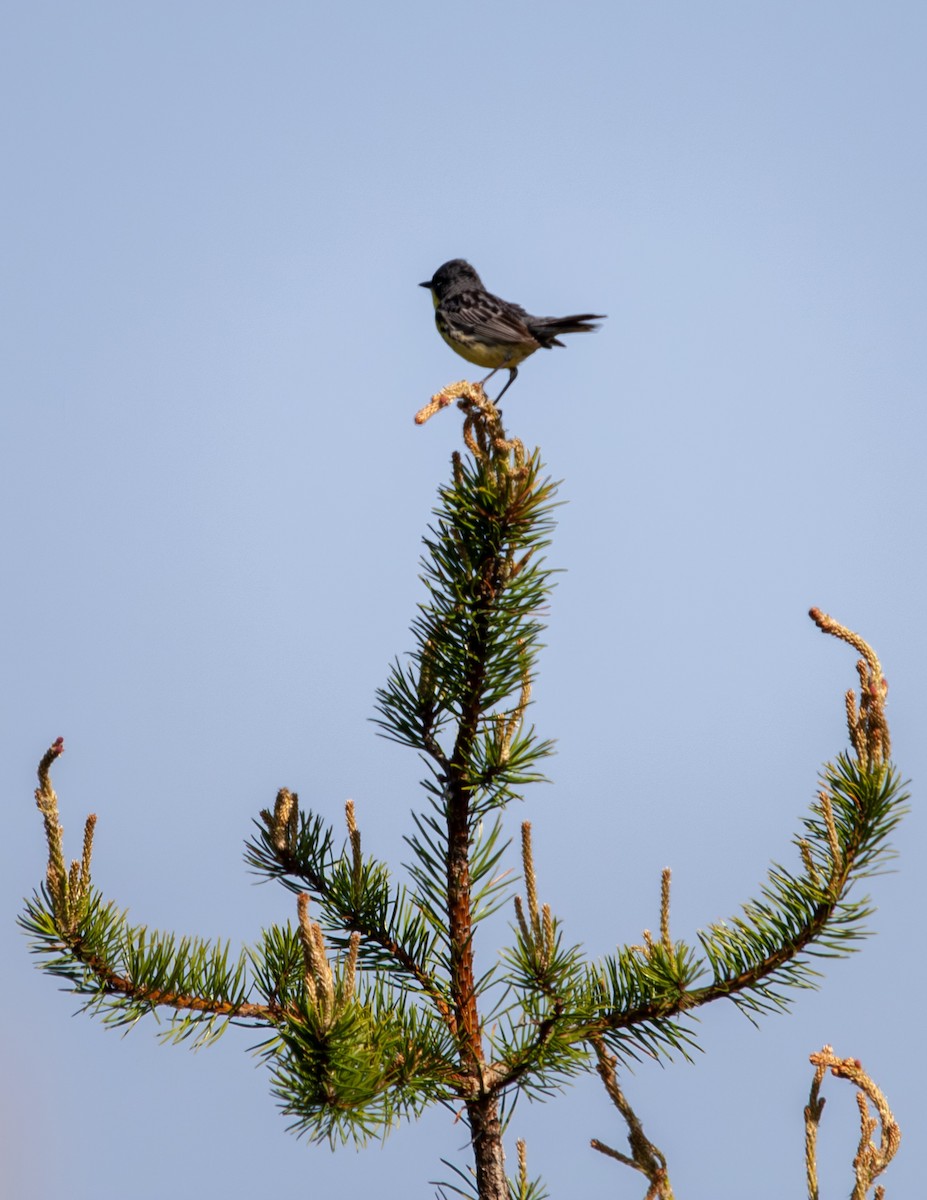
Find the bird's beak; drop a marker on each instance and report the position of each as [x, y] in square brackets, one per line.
[427, 284]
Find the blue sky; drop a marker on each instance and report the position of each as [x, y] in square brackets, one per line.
[214, 494]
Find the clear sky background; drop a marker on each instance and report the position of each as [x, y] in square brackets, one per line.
[213, 495]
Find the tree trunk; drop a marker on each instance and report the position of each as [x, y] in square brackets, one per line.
[486, 1137]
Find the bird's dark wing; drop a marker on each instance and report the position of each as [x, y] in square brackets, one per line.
[487, 318]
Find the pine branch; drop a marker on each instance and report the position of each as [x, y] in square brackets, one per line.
[354, 895]
[801, 914]
[125, 970]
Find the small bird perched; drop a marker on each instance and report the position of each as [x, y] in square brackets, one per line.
[488, 331]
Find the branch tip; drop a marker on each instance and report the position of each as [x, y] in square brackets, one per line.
[866, 723]
[870, 1160]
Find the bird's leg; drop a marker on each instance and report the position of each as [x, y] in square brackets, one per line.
[513, 371]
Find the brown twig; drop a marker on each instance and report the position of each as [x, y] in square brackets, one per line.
[871, 1160]
[644, 1157]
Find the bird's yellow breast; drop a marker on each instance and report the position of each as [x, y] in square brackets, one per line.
[481, 353]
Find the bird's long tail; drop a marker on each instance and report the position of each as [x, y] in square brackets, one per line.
[545, 329]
